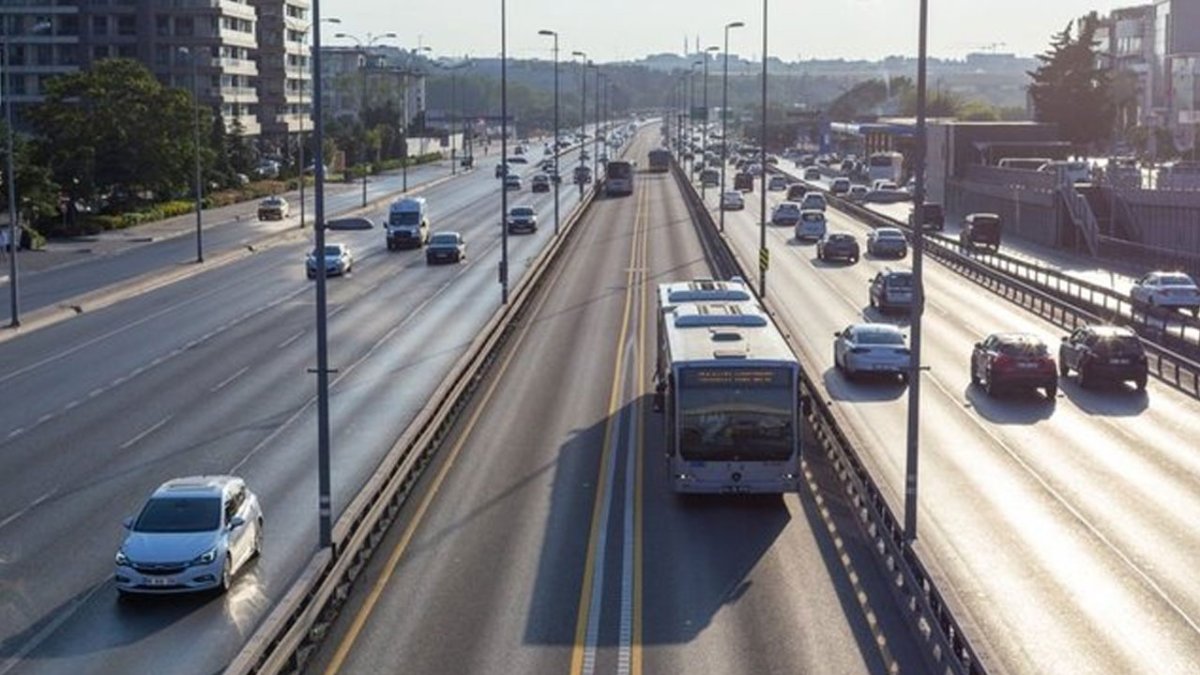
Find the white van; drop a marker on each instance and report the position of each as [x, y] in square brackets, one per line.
[407, 225]
[1068, 172]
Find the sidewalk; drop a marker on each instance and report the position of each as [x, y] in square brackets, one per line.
[59, 252]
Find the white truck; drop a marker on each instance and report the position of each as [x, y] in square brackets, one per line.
[407, 225]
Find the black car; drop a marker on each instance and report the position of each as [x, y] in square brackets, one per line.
[744, 182]
[891, 289]
[1013, 360]
[839, 245]
[934, 218]
[980, 229]
[445, 247]
[1104, 353]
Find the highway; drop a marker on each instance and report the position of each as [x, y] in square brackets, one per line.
[545, 539]
[208, 375]
[48, 287]
[1060, 528]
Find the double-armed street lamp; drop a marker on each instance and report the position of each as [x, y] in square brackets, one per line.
[583, 64]
[557, 175]
[303, 64]
[704, 119]
[193, 57]
[364, 47]
[725, 113]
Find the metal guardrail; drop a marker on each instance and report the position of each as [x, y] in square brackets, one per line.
[1062, 299]
[930, 615]
[284, 640]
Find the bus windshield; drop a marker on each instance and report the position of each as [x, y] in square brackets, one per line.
[619, 170]
[404, 218]
[747, 421]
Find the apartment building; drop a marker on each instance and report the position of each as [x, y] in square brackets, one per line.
[284, 69]
[352, 75]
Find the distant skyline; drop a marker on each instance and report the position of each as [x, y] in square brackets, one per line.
[629, 30]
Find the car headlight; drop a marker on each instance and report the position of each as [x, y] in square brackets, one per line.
[206, 557]
[121, 559]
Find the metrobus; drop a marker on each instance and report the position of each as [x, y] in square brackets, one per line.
[618, 178]
[660, 160]
[885, 166]
[729, 386]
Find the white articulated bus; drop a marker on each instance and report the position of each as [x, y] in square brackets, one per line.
[729, 386]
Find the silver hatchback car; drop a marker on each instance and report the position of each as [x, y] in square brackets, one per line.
[193, 534]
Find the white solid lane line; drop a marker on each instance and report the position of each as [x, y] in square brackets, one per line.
[127, 444]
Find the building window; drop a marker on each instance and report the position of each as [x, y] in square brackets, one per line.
[68, 24]
[99, 52]
[162, 25]
[127, 51]
[68, 55]
[184, 26]
[162, 55]
[100, 25]
[127, 25]
[45, 55]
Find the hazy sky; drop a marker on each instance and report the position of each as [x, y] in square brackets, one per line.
[625, 29]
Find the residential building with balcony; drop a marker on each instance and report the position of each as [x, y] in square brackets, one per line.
[285, 82]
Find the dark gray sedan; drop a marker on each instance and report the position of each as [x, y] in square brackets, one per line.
[445, 247]
[887, 241]
[838, 246]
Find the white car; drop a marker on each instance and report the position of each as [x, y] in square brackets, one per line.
[811, 225]
[814, 201]
[871, 348]
[777, 183]
[1166, 289]
[732, 200]
[193, 534]
[338, 260]
[858, 193]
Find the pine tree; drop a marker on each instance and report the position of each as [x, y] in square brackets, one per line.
[1070, 90]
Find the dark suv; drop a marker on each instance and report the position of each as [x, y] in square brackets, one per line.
[934, 217]
[891, 289]
[1103, 353]
[980, 229]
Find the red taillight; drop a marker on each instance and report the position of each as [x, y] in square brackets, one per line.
[1003, 362]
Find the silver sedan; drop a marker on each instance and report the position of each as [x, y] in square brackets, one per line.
[871, 348]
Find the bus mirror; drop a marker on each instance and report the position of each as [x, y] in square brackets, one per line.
[659, 401]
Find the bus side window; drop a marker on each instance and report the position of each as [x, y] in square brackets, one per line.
[670, 421]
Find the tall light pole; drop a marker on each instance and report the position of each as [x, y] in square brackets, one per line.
[324, 502]
[704, 121]
[725, 113]
[764, 254]
[504, 151]
[305, 63]
[454, 117]
[14, 232]
[404, 164]
[583, 64]
[192, 57]
[557, 176]
[596, 129]
[914, 371]
[691, 83]
[364, 47]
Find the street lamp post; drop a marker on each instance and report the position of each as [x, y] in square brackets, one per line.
[918, 255]
[324, 501]
[303, 63]
[557, 175]
[364, 47]
[704, 120]
[192, 56]
[583, 64]
[504, 151]
[454, 116]
[764, 254]
[691, 103]
[596, 131]
[404, 163]
[725, 113]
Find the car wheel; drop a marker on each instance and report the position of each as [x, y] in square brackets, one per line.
[974, 377]
[226, 575]
[1085, 379]
[1051, 391]
[871, 300]
[837, 365]
[1063, 370]
[990, 386]
[258, 537]
[1140, 383]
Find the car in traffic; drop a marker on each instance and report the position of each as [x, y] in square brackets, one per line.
[743, 181]
[540, 183]
[934, 217]
[777, 183]
[1013, 361]
[814, 201]
[1166, 289]
[710, 178]
[891, 289]
[732, 200]
[407, 225]
[522, 219]
[812, 174]
[839, 186]
[1104, 354]
[337, 257]
[887, 241]
[980, 229]
[512, 182]
[786, 213]
[517, 159]
[838, 246]
[878, 348]
[501, 170]
[811, 225]
[191, 534]
[796, 192]
[445, 247]
[583, 175]
[273, 208]
[858, 193]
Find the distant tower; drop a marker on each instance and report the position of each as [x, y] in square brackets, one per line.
[697, 43]
[685, 51]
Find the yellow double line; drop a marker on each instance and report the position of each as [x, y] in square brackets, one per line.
[635, 294]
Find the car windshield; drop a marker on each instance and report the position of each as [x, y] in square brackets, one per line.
[788, 208]
[1119, 345]
[810, 217]
[888, 234]
[445, 239]
[879, 336]
[841, 238]
[333, 251]
[1176, 280]
[522, 211]
[1025, 347]
[405, 218]
[899, 281]
[179, 514]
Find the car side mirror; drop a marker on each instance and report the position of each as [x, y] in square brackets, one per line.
[236, 522]
[978, 345]
[128, 523]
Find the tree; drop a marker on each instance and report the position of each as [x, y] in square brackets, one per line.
[117, 130]
[1070, 90]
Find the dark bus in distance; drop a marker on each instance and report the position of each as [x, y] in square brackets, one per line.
[660, 160]
[618, 178]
